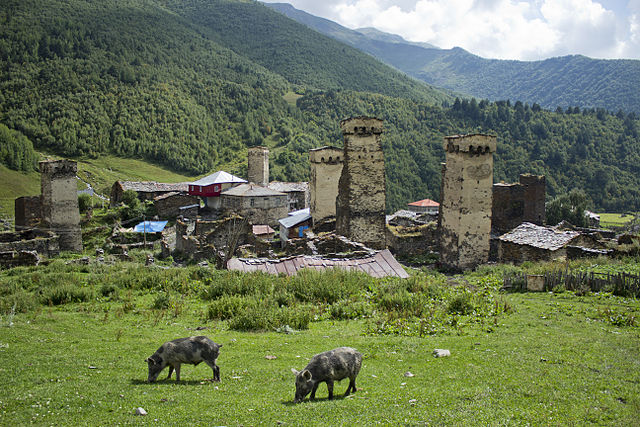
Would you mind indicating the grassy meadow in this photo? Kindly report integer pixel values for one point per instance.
(611, 220)
(73, 339)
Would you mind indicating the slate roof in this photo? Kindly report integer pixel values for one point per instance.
(381, 264)
(220, 177)
(152, 186)
(539, 237)
(287, 187)
(251, 190)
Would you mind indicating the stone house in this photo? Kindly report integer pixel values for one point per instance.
(531, 242)
(147, 190)
(297, 193)
(259, 205)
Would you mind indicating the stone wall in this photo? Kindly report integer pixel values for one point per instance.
(326, 168)
(465, 208)
(45, 243)
(509, 252)
(361, 203)
(28, 212)
(418, 240)
(60, 211)
(168, 206)
(258, 165)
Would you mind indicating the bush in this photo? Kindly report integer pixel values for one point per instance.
(23, 302)
(461, 304)
(347, 310)
(66, 293)
(226, 307)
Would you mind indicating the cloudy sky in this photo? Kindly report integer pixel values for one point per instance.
(505, 29)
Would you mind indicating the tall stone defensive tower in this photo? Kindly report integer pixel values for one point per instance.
(60, 210)
(534, 201)
(360, 207)
(326, 168)
(258, 167)
(466, 199)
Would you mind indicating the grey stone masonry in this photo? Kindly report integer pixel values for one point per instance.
(360, 207)
(258, 165)
(60, 211)
(466, 199)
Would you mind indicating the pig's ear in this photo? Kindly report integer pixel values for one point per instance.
(306, 374)
(295, 372)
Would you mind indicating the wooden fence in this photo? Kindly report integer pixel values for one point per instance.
(621, 284)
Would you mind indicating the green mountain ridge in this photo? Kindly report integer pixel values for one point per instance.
(573, 80)
(191, 84)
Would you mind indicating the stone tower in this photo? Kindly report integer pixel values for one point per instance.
(326, 168)
(360, 207)
(535, 194)
(466, 199)
(258, 167)
(60, 210)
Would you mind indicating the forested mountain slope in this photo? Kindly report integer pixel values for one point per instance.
(191, 84)
(563, 81)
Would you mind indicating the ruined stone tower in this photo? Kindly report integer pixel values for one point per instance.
(258, 167)
(60, 210)
(326, 168)
(465, 207)
(360, 206)
(535, 194)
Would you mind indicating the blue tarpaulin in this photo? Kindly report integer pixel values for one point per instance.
(150, 226)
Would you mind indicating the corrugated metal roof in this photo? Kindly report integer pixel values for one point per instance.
(539, 237)
(293, 220)
(425, 203)
(220, 177)
(251, 190)
(381, 264)
(287, 187)
(305, 210)
(152, 186)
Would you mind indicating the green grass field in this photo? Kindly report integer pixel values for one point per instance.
(610, 220)
(551, 359)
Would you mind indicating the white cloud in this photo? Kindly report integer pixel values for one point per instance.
(506, 29)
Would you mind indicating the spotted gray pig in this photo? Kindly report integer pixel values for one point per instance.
(191, 350)
(330, 366)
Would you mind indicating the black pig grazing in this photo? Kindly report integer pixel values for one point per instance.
(330, 366)
(191, 350)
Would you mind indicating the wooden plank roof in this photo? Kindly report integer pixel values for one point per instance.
(381, 264)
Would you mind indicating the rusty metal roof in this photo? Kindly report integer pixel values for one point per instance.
(381, 264)
(424, 203)
(539, 237)
(259, 230)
